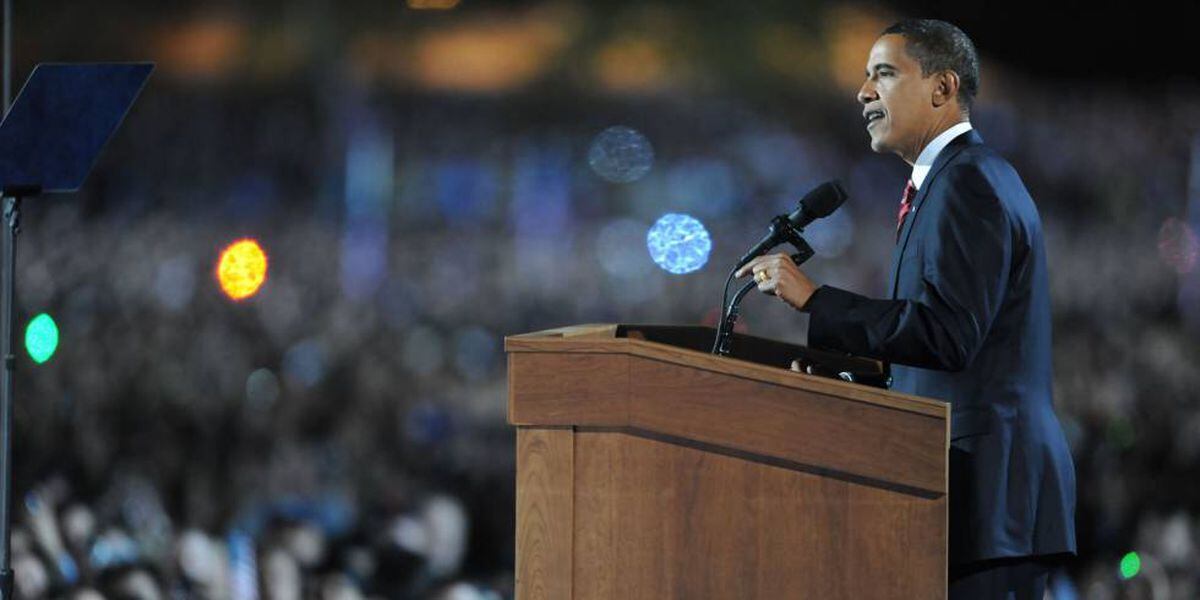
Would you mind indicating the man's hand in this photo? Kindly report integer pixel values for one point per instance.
(777, 275)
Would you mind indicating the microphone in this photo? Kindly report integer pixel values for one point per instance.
(819, 202)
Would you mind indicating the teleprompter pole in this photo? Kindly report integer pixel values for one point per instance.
(12, 206)
(10, 227)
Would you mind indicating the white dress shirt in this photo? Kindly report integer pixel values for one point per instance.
(929, 154)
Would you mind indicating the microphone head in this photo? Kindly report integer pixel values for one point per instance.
(824, 199)
(820, 202)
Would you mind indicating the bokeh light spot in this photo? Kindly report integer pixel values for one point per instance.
(1131, 565)
(1178, 245)
(678, 243)
(621, 155)
(41, 338)
(262, 389)
(432, 4)
(242, 269)
(619, 249)
(633, 64)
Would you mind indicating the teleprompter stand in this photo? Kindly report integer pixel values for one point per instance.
(49, 140)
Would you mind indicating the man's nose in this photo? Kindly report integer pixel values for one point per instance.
(866, 93)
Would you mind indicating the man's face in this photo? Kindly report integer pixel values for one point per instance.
(896, 100)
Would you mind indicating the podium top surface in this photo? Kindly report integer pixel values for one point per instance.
(61, 120)
(629, 339)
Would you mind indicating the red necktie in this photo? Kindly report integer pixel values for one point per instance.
(910, 190)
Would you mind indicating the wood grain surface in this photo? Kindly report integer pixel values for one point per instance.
(545, 513)
(655, 520)
(568, 389)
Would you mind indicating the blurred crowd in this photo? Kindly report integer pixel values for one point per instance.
(125, 545)
(342, 433)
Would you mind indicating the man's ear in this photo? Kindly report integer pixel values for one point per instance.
(945, 87)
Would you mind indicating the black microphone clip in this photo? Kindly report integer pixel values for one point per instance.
(781, 231)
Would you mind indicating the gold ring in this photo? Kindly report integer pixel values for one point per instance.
(761, 276)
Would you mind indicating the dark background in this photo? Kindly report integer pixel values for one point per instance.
(420, 180)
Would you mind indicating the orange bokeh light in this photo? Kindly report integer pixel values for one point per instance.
(432, 4)
(242, 269)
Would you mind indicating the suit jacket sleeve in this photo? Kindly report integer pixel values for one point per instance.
(964, 270)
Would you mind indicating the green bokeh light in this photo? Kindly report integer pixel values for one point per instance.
(1131, 565)
(41, 338)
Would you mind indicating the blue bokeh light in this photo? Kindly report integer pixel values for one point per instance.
(621, 154)
(678, 243)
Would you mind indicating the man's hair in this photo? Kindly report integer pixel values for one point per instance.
(939, 46)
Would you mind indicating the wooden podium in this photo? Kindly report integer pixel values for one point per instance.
(648, 468)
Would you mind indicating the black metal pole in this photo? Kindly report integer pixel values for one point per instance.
(12, 206)
(11, 225)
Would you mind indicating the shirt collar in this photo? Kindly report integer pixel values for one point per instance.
(929, 154)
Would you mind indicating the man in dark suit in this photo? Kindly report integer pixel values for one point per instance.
(968, 318)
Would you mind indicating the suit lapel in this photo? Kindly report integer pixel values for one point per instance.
(956, 145)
